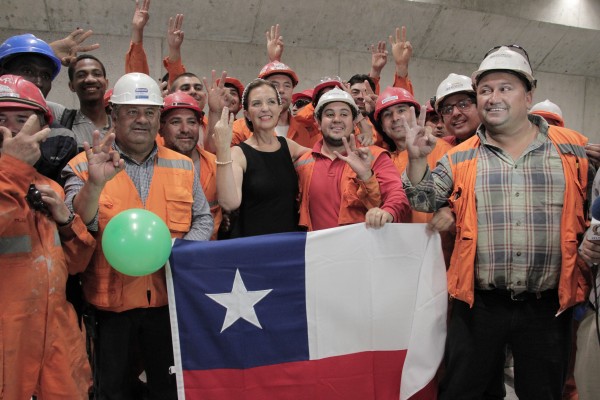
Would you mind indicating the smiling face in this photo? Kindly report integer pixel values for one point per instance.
(263, 108)
(337, 122)
(502, 101)
(463, 120)
(181, 130)
(135, 128)
(88, 81)
(392, 121)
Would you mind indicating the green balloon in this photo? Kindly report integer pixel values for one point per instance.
(136, 242)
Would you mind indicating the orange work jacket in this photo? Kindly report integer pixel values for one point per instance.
(357, 196)
(170, 197)
(572, 286)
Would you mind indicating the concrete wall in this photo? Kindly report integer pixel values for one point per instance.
(448, 36)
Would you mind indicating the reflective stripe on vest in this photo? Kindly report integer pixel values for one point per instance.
(81, 167)
(466, 155)
(15, 244)
(56, 238)
(570, 148)
(301, 162)
(177, 164)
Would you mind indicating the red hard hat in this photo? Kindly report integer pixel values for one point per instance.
(325, 83)
(429, 108)
(277, 67)
(181, 100)
(305, 94)
(16, 92)
(236, 83)
(392, 96)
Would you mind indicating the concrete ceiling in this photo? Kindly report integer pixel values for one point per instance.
(437, 32)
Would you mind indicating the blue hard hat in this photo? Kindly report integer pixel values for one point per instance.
(28, 43)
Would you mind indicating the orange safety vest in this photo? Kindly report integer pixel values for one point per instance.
(357, 196)
(208, 181)
(572, 287)
(170, 197)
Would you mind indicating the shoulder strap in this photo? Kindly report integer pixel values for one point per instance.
(68, 117)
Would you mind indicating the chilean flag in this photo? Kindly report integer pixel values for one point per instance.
(343, 313)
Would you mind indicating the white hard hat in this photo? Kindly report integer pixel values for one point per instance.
(452, 84)
(136, 88)
(547, 106)
(509, 58)
(336, 94)
(549, 111)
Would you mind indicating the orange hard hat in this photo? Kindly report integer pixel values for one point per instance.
(277, 67)
(236, 83)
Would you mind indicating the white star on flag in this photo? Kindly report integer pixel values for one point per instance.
(239, 302)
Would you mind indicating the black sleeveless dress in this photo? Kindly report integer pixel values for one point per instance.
(269, 193)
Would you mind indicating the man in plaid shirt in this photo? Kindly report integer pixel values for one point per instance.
(517, 189)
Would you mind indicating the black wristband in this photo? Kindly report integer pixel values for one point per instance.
(68, 221)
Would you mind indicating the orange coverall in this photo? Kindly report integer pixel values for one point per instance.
(42, 349)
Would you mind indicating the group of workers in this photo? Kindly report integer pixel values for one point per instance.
(505, 183)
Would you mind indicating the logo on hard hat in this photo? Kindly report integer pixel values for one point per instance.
(454, 86)
(141, 93)
(274, 66)
(5, 91)
(388, 99)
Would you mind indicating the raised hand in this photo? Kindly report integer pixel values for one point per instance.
(217, 95)
(379, 56)
(274, 43)
(66, 49)
(103, 161)
(401, 50)
(140, 16)
(419, 139)
(25, 146)
(174, 32)
(223, 129)
(370, 98)
(359, 159)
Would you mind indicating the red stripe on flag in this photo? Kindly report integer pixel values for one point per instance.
(367, 375)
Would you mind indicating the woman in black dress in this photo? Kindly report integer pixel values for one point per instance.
(258, 175)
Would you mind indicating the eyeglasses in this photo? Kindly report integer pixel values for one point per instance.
(514, 47)
(462, 105)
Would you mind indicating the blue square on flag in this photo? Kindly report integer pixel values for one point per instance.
(245, 301)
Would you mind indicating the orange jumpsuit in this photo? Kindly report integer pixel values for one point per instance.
(42, 349)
